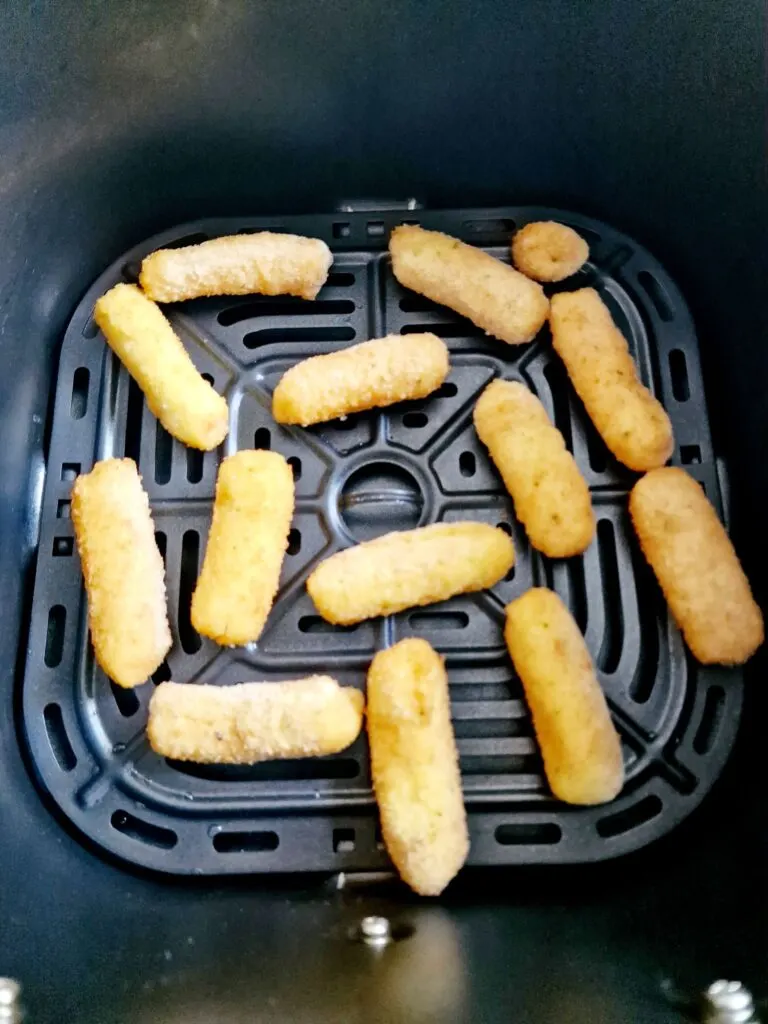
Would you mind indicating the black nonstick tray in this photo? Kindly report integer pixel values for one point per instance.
(409, 465)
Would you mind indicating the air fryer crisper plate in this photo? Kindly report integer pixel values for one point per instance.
(411, 464)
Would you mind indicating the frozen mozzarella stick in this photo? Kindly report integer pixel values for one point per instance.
(415, 765)
(629, 419)
(251, 722)
(491, 294)
(409, 568)
(264, 263)
(249, 535)
(367, 376)
(146, 344)
(550, 495)
(696, 566)
(548, 251)
(579, 744)
(123, 571)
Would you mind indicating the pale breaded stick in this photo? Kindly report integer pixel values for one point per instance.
(123, 571)
(413, 567)
(548, 251)
(366, 376)
(630, 420)
(492, 295)
(264, 263)
(249, 534)
(579, 744)
(144, 341)
(696, 566)
(551, 496)
(414, 764)
(251, 722)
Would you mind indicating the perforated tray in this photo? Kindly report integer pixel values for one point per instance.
(409, 465)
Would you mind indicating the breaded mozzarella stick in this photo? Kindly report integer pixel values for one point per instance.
(415, 766)
(367, 376)
(264, 263)
(251, 722)
(123, 571)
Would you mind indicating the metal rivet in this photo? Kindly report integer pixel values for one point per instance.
(728, 1002)
(10, 1011)
(10, 990)
(375, 931)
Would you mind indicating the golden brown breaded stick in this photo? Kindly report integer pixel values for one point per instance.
(409, 568)
(264, 263)
(630, 420)
(488, 292)
(251, 722)
(366, 376)
(551, 496)
(144, 341)
(579, 744)
(123, 571)
(548, 251)
(249, 534)
(697, 567)
(415, 766)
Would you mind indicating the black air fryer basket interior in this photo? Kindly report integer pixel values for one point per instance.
(128, 126)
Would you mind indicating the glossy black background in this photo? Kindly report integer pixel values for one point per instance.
(119, 119)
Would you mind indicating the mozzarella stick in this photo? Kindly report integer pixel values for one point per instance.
(366, 376)
(410, 568)
(141, 337)
(548, 251)
(629, 419)
(492, 295)
(551, 497)
(251, 722)
(579, 744)
(414, 764)
(249, 534)
(123, 571)
(696, 566)
(263, 263)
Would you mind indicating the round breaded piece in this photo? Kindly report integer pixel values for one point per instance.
(548, 251)
(415, 766)
(251, 722)
(146, 344)
(629, 419)
(580, 747)
(492, 295)
(696, 566)
(367, 376)
(550, 495)
(123, 571)
(265, 263)
(410, 568)
(252, 515)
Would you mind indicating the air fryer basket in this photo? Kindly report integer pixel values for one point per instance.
(119, 121)
(409, 465)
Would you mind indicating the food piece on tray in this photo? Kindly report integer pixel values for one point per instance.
(548, 251)
(414, 764)
(123, 571)
(144, 341)
(579, 744)
(491, 294)
(551, 496)
(696, 566)
(366, 376)
(630, 420)
(249, 535)
(251, 722)
(405, 569)
(263, 263)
